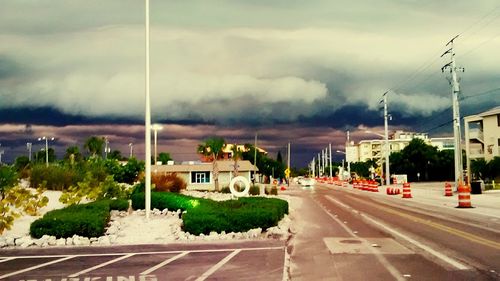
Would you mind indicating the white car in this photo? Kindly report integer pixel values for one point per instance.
(307, 182)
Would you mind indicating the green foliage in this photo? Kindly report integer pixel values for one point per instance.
(18, 200)
(267, 166)
(92, 190)
(40, 156)
(254, 190)
(128, 173)
(8, 178)
(115, 155)
(235, 215)
(94, 146)
(419, 157)
(21, 163)
(87, 220)
(486, 170)
(164, 157)
(225, 189)
(213, 147)
(73, 155)
(204, 216)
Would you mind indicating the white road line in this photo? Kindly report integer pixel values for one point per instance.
(392, 270)
(100, 265)
(286, 265)
(217, 266)
(6, 259)
(35, 267)
(426, 248)
(165, 262)
(153, 253)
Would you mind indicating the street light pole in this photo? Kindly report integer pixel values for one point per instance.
(131, 145)
(46, 148)
(330, 158)
(387, 148)
(28, 146)
(155, 128)
(147, 121)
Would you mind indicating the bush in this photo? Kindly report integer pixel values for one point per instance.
(167, 200)
(225, 189)
(87, 220)
(235, 215)
(168, 182)
(254, 190)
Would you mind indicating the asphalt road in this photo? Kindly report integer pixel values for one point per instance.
(349, 234)
(253, 260)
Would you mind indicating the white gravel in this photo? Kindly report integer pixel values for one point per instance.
(125, 228)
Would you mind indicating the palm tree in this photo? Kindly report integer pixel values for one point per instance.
(213, 147)
(72, 154)
(237, 155)
(94, 145)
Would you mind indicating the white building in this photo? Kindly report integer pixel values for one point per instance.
(482, 136)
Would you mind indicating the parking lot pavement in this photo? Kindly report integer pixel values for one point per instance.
(227, 261)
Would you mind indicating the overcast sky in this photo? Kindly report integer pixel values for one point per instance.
(304, 71)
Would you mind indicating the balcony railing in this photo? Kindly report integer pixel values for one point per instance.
(476, 133)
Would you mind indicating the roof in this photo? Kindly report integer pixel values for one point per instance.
(229, 146)
(480, 116)
(223, 165)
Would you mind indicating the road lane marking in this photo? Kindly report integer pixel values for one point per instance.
(392, 270)
(426, 248)
(35, 267)
(100, 265)
(152, 253)
(451, 230)
(6, 259)
(163, 263)
(217, 266)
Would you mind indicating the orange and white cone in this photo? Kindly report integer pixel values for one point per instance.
(406, 190)
(447, 189)
(464, 196)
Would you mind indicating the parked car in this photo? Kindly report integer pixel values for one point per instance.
(307, 182)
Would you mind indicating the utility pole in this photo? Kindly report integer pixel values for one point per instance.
(106, 147)
(255, 159)
(1, 153)
(313, 167)
(319, 166)
(330, 146)
(387, 148)
(288, 164)
(131, 145)
(28, 147)
(455, 89)
(346, 156)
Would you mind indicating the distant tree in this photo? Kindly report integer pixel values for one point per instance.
(94, 146)
(213, 147)
(116, 155)
(8, 178)
(21, 163)
(494, 167)
(39, 156)
(279, 158)
(73, 154)
(164, 157)
(237, 155)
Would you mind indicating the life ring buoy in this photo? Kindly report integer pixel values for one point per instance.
(242, 193)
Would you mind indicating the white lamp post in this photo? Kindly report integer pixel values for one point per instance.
(387, 152)
(131, 145)
(46, 148)
(156, 128)
(148, 120)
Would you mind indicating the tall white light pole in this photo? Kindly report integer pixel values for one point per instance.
(1, 153)
(28, 147)
(106, 147)
(46, 148)
(387, 148)
(147, 133)
(156, 128)
(347, 159)
(131, 145)
(330, 158)
(288, 164)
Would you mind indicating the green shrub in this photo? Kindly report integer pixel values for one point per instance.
(274, 190)
(167, 200)
(87, 220)
(168, 182)
(235, 215)
(254, 190)
(225, 189)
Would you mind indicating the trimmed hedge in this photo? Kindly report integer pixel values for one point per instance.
(87, 220)
(167, 200)
(204, 216)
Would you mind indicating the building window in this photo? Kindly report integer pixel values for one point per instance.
(498, 120)
(200, 177)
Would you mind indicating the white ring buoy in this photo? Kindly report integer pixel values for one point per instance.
(239, 193)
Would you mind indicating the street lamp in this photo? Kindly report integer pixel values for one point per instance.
(46, 148)
(107, 149)
(156, 128)
(28, 147)
(131, 145)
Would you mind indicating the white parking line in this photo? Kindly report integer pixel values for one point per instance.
(165, 262)
(151, 253)
(100, 265)
(6, 259)
(35, 267)
(426, 248)
(217, 266)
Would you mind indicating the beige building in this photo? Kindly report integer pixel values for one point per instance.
(374, 149)
(482, 136)
(199, 176)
